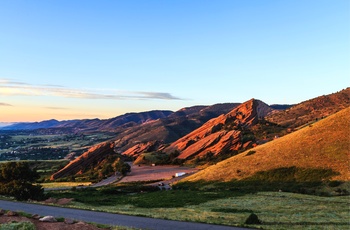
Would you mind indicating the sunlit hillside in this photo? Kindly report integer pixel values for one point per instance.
(325, 144)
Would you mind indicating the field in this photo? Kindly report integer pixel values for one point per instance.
(277, 210)
(23, 145)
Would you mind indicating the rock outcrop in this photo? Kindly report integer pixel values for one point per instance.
(167, 130)
(94, 154)
(137, 149)
(221, 134)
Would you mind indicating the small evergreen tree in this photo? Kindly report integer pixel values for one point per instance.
(16, 179)
(253, 219)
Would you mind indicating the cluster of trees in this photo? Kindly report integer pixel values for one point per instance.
(114, 165)
(17, 178)
(98, 170)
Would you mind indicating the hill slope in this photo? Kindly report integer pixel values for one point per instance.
(323, 145)
(312, 109)
(90, 158)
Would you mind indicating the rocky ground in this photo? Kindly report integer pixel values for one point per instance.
(66, 224)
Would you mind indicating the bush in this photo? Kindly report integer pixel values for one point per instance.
(252, 219)
(16, 180)
(334, 183)
(251, 152)
(22, 190)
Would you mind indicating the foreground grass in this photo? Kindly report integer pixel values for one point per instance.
(64, 184)
(277, 210)
(16, 226)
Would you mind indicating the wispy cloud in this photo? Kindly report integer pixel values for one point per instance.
(56, 108)
(4, 104)
(156, 95)
(10, 87)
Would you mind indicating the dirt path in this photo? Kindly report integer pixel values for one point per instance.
(106, 181)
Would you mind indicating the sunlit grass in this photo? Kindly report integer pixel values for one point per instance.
(277, 210)
(64, 184)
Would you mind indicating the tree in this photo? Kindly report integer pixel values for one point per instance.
(122, 167)
(17, 171)
(16, 180)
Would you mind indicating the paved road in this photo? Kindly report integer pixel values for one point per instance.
(106, 181)
(109, 218)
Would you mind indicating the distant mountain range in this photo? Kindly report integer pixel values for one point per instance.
(128, 119)
(198, 113)
(4, 124)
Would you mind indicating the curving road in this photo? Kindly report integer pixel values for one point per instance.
(109, 218)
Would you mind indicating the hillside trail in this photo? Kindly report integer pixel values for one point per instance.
(107, 181)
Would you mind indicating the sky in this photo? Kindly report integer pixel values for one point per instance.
(82, 59)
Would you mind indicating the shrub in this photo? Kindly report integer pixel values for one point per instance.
(22, 190)
(251, 152)
(252, 219)
(16, 180)
(334, 183)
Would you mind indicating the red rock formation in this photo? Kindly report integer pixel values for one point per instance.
(142, 148)
(220, 134)
(94, 154)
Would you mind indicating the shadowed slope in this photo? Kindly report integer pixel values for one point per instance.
(322, 145)
(94, 154)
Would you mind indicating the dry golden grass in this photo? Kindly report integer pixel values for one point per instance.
(325, 144)
(64, 184)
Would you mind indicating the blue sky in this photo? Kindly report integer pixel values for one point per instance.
(86, 59)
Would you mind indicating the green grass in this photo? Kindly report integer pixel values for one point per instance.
(151, 158)
(18, 226)
(221, 203)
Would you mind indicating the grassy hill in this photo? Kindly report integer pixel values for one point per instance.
(322, 145)
(311, 110)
